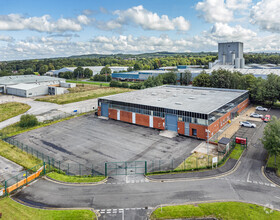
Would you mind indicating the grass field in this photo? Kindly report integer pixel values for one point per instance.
(271, 163)
(18, 156)
(12, 109)
(81, 93)
(89, 82)
(13, 210)
(219, 210)
(75, 179)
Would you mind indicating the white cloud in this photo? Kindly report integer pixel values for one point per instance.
(147, 20)
(6, 38)
(238, 4)
(228, 33)
(266, 15)
(214, 11)
(43, 23)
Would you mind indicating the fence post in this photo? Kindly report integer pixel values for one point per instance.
(105, 169)
(6, 193)
(172, 164)
(59, 166)
(80, 169)
(44, 169)
(125, 168)
(145, 167)
(68, 170)
(196, 162)
(26, 177)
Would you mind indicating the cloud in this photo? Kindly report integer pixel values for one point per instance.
(228, 33)
(43, 23)
(266, 15)
(238, 4)
(214, 11)
(139, 16)
(6, 38)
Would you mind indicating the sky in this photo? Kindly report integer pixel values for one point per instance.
(60, 28)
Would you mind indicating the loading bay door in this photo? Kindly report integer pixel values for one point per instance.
(105, 109)
(171, 122)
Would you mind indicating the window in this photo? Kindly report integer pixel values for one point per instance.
(194, 132)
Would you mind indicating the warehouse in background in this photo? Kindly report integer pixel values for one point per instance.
(32, 85)
(189, 111)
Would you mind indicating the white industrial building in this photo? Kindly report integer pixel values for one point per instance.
(32, 85)
(95, 70)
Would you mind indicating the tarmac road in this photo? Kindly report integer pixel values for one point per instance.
(136, 199)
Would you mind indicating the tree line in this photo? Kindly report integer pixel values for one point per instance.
(264, 91)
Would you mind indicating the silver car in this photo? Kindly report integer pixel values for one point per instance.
(256, 115)
(260, 108)
(247, 124)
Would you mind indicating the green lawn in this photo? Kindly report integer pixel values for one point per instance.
(83, 93)
(13, 210)
(75, 179)
(89, 82)
(237, 151)
(12, 109)
(219, 210)
(271, 163)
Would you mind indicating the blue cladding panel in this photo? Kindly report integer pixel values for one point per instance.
(171, 122)
(105, 109)
(187, 128)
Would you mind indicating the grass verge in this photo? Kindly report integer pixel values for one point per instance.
(77, 96)
(75, 179)
(12, 109)
(199, 162)
(219, 210)
(13, 210)
(18, 156)
(271, 163)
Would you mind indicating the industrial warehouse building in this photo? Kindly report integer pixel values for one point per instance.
(190, 111)
(32, 85)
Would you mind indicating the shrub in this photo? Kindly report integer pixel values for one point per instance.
(28, 121)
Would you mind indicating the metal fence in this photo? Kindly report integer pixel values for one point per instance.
(68, 168)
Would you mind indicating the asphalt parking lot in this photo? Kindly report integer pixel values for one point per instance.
(89, 140)
(245, 132)
(9, 169)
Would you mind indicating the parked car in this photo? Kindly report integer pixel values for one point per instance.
(247, 124)
(266, 118)
(256, 115)
(260, 108)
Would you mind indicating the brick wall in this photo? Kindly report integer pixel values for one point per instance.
(181, 127)
(113, 113)
(159, 123)
(99, 111)
(126, 116)
(200, 130)
(243, 105)
(142, 120)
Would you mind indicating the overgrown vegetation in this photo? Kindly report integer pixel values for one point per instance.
(218, 210)
(75, 179)
(13, 210)
(81, 93)
(89, 83)
(12, 109)
(27, 121)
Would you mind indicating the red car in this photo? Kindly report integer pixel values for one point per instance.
(266, 118)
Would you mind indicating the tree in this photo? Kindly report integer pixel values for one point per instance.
(129, 69)
(202, 80)
(43, 69)
(88, 73)
(271, 138)
(186, 78)
(28, 121)
(79, 72)
(271, 88)
(105, 70)
(170, 78)
(29, 71)
(137, 66)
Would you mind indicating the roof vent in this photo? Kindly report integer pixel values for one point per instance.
(168, 91)
(174, 95)
(203, 94)
(159, 99)
(191, 97)
(178, 103)
(154, 94)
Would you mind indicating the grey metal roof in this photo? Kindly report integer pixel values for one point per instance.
(224, 141)
(12, 80)
(24, 86)
(183, 98)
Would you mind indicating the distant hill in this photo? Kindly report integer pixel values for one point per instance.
(144, 55)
